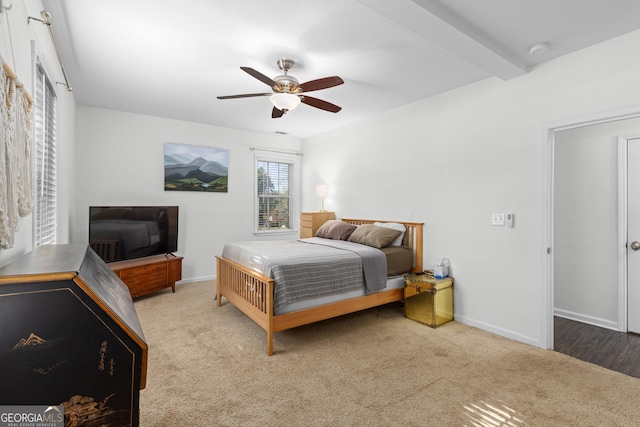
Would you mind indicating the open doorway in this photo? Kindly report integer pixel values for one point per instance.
(583, 272)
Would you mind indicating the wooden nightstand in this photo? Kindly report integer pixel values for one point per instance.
(311, 221)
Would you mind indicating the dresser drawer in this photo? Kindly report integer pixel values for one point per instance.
(149, 274)
(146, 275)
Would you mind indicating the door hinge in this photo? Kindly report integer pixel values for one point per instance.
(549, 251)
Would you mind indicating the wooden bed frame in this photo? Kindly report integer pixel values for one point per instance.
(252, 292)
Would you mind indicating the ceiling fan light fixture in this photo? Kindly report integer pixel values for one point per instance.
(285, 101)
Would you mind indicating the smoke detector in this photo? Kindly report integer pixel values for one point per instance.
(538, 49)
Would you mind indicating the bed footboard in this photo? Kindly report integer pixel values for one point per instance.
(252, 292)
(249, 291)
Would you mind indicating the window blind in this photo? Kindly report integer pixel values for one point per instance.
(276, 190)
(45, 160)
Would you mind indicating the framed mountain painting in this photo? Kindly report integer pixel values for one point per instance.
(195, 168)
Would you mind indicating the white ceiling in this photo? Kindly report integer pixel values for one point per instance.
(171, 59)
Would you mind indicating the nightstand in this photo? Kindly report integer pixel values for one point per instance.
(311, 221)
(428, 300)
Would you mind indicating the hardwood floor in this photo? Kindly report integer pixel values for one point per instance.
(613, 350)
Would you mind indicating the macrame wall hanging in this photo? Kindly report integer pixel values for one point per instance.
(16, 136)
(16, 163)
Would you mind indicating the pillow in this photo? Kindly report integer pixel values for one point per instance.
(373, 235)
(394, 226)
(336, 230)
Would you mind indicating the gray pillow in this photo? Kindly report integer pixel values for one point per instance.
(394, 226)
(373, 235)
(336, 230)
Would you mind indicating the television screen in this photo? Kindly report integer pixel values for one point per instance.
(124, 232)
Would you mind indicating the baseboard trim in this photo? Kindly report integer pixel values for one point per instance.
(195, 279)
(499, 331)
(589, 320)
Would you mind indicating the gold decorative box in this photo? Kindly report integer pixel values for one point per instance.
(428, 300)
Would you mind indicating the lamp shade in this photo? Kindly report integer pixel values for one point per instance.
(285, 101)
(322, 190)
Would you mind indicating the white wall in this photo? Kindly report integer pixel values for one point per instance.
(455, 158)
(16, 37)
(120, 161)
(586, 222)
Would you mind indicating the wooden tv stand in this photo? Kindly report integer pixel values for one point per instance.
(149, 274)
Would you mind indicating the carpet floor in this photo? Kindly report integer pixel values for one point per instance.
(208, 366)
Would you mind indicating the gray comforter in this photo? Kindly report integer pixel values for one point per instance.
(311, 268)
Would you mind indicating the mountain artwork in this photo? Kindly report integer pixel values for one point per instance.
(195, 168)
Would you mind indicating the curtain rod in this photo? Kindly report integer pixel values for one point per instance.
(46, 20)
(297, 153)
(7, 68)
(12, 75)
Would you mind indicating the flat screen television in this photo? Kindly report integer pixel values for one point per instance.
(118, 233)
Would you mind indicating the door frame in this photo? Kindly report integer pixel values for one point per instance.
(623, 230)
(546, 250)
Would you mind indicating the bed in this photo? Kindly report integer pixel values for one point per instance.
(252, 291)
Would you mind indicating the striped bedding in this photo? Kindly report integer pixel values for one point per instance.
(311, 268)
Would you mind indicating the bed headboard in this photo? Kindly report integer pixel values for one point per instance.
(412, 237)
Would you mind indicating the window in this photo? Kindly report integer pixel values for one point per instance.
(45, 160)
(276, 191)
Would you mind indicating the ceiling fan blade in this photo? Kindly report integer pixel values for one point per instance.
(275, 113)
(319, 103)
(246, 95)
(323, 83)
(258, 75)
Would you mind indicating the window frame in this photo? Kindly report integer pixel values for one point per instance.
(294, 193)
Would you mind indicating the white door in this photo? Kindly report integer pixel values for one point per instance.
(633, 235)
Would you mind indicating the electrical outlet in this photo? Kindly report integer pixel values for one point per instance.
(497, 219)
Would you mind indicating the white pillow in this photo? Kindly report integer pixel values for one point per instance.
(394, 226)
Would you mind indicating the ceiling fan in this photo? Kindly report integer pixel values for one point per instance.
(288, 92)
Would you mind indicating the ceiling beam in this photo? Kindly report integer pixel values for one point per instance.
(413, 16)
